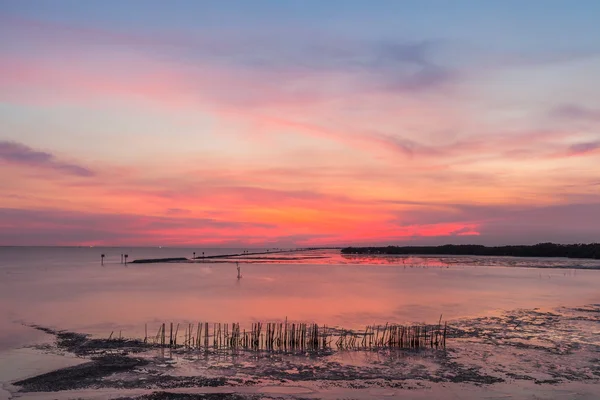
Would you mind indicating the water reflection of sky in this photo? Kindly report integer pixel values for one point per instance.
(347, 291)
(335, 257)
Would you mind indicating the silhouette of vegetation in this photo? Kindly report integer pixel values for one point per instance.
(591, 250)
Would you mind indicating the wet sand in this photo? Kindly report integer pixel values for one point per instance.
(522, 353)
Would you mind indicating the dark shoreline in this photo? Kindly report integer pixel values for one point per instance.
(551, 250)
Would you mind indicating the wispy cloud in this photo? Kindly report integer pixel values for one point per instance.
(508, 223)
(177, 211)
(574, 111)
(20, 154)
(583, 148)
(51, 226)
(260, 69)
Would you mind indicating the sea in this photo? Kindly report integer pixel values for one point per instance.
(70, 288)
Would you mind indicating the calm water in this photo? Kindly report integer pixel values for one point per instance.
(66, 288)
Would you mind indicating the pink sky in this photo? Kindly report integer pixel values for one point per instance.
(171, 136)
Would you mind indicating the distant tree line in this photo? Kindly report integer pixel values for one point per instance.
(591, 250)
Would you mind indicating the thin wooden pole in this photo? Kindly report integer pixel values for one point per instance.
(198, 334)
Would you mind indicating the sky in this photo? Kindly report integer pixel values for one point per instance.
(299, 123)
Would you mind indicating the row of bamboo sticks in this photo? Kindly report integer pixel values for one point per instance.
(395, 336)
(284, 336)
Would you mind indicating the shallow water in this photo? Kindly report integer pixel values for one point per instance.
(66, 288)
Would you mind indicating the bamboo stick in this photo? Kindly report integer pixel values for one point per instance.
(198, 334)
(175, 338)
(286, 336)
(445, 326)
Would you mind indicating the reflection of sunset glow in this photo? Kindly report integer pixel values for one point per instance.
(315, 286)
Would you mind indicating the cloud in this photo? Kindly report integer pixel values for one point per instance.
(60, 227)
(511, 224)
(234, 74)
(290, 58)
(20, 154)
(390, 234)
(291, 66)
(291, 70)
(177, 211)
(418, 222)
(583, 148)
(576, 112)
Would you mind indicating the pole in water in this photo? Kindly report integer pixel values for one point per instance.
(102, 259)
(121, 258)
(239, 270)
